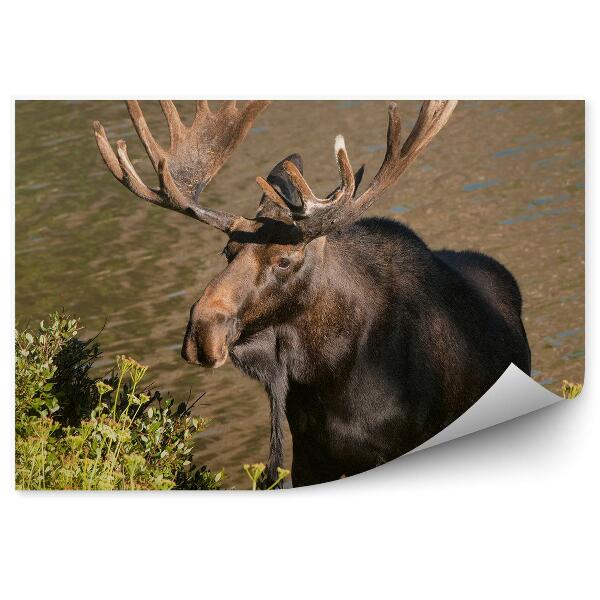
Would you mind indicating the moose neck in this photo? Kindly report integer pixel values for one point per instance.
(318, 341)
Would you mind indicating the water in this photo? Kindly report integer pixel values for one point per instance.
(505, 178)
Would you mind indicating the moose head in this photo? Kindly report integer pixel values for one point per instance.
(272, 257)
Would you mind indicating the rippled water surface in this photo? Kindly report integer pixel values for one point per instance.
(505, 178)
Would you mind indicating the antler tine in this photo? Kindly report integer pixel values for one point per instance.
(271, 193)
(346, 174)
(433, 116)
(176, 127)
(310, 202)
(298, 181)
(106, 151)
(131, 179)
(120, 165)
(152, 147)
(202, 110)
(392, 158)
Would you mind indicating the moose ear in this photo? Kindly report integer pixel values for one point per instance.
(282, 183)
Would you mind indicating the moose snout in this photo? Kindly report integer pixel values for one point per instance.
(207, 339)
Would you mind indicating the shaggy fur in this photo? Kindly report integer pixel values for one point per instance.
(384, 345)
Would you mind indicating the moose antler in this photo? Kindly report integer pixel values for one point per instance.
(319, 216)
(195, 156)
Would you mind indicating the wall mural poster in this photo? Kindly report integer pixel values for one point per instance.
(336, 284)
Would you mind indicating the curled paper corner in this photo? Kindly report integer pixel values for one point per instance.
(513, 395)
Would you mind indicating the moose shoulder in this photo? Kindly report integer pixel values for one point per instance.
(365, 339)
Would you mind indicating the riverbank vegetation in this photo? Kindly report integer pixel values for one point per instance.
(76, 432)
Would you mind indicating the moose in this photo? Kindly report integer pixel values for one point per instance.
(367, 341)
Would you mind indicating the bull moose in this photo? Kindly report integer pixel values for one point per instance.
(367, 341)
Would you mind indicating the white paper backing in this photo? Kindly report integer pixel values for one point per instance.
(513, 395)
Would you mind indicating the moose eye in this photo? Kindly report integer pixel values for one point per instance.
(283, 263)
(228, 253)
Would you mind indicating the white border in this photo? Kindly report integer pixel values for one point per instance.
(511, 512)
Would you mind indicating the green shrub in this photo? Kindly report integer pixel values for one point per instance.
(571, 390)
(76, 433)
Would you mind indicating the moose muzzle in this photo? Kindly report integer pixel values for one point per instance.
(207, 340)
(215, 318)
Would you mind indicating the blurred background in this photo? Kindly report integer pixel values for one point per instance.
(504, 177)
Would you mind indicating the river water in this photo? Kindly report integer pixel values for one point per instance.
(503, 177)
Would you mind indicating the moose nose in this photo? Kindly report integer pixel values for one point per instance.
(206, 340)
